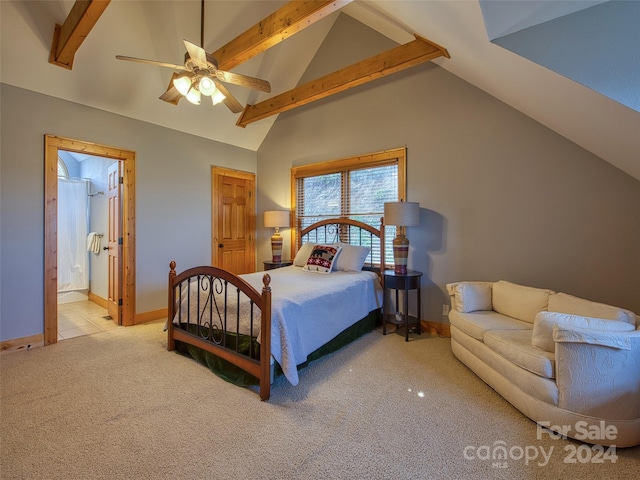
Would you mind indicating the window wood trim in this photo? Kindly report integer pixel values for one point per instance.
(369, 160)
(378, 159)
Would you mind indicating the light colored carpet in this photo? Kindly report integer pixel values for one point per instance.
(118, 405)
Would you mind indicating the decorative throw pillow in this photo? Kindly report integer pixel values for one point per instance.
(351, 258)
(472, 297)
(302, 256)
(322, 258)
(542, 335)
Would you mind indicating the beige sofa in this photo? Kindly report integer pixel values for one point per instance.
(569, 364)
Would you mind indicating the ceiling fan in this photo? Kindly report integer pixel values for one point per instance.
(200, 76)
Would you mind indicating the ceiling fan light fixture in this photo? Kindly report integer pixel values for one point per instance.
(217, 97)
(194, 96)
(200, 76)
(206, 86)
(183, 84)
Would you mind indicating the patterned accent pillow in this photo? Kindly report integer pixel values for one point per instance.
(322, 258)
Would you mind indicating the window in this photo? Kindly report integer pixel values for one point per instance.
(62, 168)
(355, 188)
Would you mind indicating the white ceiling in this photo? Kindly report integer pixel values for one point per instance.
(155, 29)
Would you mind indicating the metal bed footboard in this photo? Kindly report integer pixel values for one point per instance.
(219, 307)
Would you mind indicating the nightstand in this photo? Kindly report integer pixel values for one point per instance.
(397, 282)
(273, 265)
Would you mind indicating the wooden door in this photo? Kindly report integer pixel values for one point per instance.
(233, 222)
(114, 300)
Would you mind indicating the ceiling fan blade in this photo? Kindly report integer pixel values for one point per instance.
(197, 54)
(244, 80)
(172, 95)
(150, 62)
(230, 101)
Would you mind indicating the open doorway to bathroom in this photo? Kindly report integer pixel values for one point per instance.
(84, 276)
(123, 243)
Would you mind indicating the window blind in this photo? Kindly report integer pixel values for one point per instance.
(356, 190)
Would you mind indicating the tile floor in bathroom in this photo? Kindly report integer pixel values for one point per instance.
(82, 318)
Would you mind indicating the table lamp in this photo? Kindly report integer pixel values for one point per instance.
(276, 219)
(401, 214)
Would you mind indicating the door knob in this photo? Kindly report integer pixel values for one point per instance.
(105, 248)
(220, 245)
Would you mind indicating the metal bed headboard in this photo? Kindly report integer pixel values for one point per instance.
(352, 232)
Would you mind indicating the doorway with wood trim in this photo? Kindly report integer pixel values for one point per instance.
(233, 220)
(124, 242)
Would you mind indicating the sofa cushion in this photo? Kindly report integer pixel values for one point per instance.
(476, 324)
(472, 297)
(542, 336)
(519, 301)
(565, 303)
(515, 346)
(484, 360)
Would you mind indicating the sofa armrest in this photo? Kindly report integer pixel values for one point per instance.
(598, 372)
(604, 338)
(451, 290)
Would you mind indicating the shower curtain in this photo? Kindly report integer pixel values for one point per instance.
(73, 261)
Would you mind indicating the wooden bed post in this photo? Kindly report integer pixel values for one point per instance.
(265, 340)
(171, 306)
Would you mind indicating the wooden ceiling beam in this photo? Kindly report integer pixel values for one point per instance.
(273, 29)
(68, 37)
(399, 58)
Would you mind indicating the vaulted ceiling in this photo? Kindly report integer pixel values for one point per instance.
(155, 30)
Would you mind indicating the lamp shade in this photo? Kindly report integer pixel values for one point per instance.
(206, 86)
(217, 97)
(194, 96)
(402, 214)
(183, 83)
(276, 218)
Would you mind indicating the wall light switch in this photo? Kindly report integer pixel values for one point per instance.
(445, 309)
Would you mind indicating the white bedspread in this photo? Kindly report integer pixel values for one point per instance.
(309, 309)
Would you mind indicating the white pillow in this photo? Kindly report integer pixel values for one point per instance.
(542, 335)
(322, 258)
(472, 297)
(351, 258)
(303, 254)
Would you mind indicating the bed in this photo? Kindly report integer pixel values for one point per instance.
(249, 328)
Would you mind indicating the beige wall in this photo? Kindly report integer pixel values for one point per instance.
(501, 196)
(173, 198)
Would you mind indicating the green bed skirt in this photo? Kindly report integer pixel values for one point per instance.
(237, 376)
